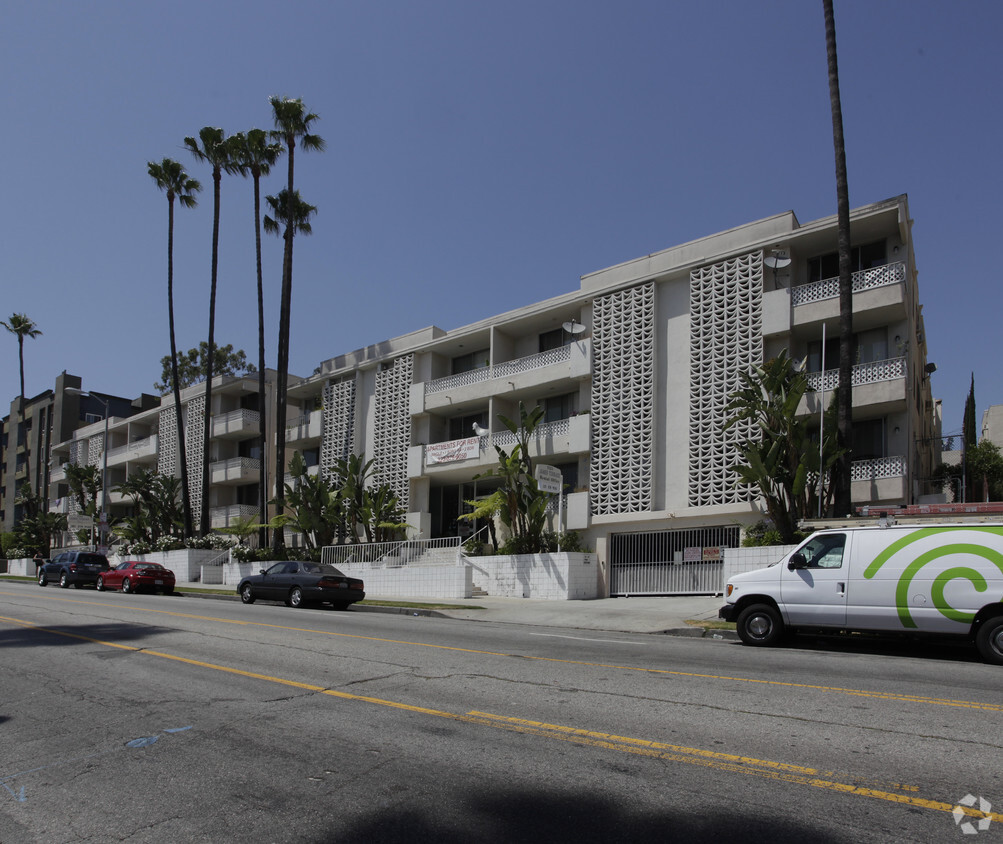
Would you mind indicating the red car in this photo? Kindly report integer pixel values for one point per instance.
(131, 576)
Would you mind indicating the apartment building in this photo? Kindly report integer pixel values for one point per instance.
(633, 371)
(50, 418)
(148, 440)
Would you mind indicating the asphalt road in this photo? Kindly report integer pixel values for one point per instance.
(169, 719)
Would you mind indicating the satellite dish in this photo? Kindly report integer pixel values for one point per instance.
(775, 262)
(573, 327)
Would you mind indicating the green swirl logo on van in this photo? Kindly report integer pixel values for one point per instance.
(946, 549)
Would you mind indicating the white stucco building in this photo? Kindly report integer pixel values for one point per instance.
(633, 370)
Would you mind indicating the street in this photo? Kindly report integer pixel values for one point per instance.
(151, 718)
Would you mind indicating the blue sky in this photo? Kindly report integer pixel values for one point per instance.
(480, 157)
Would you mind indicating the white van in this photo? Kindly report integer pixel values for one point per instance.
(942, 579)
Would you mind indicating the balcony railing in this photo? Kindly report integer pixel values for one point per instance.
(863, 373)
(828, 288)
(235, 422)
(547, 430)
(146, 447)
(224, 516)
(881, 467)
(236, 468)
(500, 370)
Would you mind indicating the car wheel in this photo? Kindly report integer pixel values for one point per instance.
(99, 584)
(42, 580)
(295, 598)
(126, 586)
(64, 580)
(247, 594)
(169, 590)
(760, 624)
(341, 606)
(989, 640)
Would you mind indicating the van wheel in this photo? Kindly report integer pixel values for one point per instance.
(989, 640)
(760, 624)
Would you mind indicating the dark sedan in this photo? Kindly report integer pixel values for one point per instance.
(133, 576)
(299, 583)
(72, 568)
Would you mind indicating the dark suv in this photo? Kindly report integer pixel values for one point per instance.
(73, 567)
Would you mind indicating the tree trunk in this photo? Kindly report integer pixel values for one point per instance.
(262, 404)
(278, 536)
(204, 519)
(186, 503)
(844, 424)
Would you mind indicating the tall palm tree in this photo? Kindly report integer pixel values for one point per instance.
(255, 154)
(844, 420)
(217, 150)
(292, 126)
(171, 177)
(21, 326)
(292, 216)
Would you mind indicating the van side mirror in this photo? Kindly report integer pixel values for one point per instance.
(797, 561)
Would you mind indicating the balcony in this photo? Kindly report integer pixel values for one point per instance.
(222, 517)
(879, 385)
(236, 470)
(572, 362)
(236, 425)
(305, 429)
(58, 474)
(138, 451)
(882, 480)
(312, 471)
(563, 437)
(879, 291)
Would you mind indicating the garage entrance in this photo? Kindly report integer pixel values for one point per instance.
(670, 562)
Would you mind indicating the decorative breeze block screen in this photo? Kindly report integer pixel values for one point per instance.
(338, 433)
(726, 338)
(392, 435)
(623, 378)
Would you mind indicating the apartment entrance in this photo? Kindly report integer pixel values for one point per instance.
(448, 503)
(670, 562)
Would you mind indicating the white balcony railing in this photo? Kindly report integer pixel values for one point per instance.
(547, 430)
(136, 450)
(881, 467)
(305, 427)
(235, 469)
(235, 422)
(225, 516)
(863, 373)
(500, 370)
(828, 288)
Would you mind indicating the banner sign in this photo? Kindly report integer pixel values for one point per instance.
(453, 450)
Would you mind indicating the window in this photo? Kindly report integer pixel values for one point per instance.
(554, 339)
(461, 427)
(825, 551)
(556, 408)
(861, 258)
(869, 439)
(868, 346)
(469, 362)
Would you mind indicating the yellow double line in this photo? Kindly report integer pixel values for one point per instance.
(729, 762)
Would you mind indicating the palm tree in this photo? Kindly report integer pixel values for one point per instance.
(255, 154)
(214, 148)
(21, 326)
(292, 123)
(171, 177)
(844, 422)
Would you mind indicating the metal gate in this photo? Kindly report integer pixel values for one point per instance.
(670, 562)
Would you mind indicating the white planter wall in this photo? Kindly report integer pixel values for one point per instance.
(552, 577)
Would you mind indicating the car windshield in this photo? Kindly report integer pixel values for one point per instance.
(150, 566)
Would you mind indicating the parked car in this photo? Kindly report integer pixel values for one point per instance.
(132, 576)
(299, 583)
(72, 568)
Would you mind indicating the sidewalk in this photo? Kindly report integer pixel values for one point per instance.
(667, 615)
